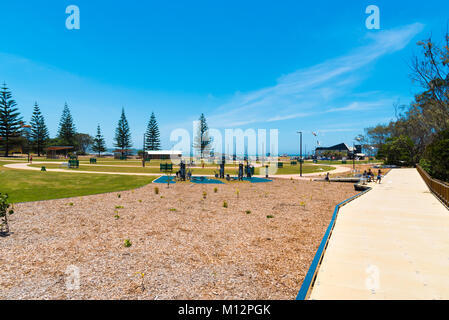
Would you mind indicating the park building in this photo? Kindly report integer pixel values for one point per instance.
(341, 150)
(163, 154)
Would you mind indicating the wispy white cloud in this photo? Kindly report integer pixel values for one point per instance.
(315, 89)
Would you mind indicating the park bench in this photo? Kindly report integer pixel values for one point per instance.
(74, 164)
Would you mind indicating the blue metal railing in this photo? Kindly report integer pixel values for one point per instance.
(311, 274)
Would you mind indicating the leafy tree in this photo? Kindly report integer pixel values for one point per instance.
(202, 141)
(99, 144)
(39, 132)
(83, 141)
(10, 120)
(437, 156)
(398, 151)
(123, 134)
(152, 135)
(67, 130)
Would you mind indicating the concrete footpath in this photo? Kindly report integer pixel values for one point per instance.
(391, 243)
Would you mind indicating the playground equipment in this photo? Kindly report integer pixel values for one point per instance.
(181, 174)
(249, 170)
(240, 175)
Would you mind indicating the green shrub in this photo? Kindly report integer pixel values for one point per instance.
(156, 190)
(437, 156)
(127, 243)
(225, 204)
(5, 212)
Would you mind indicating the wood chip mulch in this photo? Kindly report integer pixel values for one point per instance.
(184, 243)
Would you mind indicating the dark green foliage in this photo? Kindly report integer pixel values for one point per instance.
(4, 213)
(202, 141)
(152, 135)
(123, 134)
(39, 132)
(10, 120)
(99, 144)
(82, 142)
(398, 151)
(67, 130)
(436, 156)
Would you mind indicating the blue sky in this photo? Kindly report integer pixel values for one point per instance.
(294, 65)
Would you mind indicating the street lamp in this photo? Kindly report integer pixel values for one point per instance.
(353, 153)
(300, 153)
(143, 151)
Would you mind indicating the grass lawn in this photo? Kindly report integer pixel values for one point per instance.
(288, 169)
(306, 168)
(24, 186)
(98, 168)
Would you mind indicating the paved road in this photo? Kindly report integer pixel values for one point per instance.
(392, 243)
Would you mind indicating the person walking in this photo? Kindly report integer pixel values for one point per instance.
(379, 176)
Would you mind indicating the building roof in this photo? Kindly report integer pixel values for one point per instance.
(341, 146)
(58, 148)
(164, 152)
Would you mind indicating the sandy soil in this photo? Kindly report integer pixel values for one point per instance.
(200, 251)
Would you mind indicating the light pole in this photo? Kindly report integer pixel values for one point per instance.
(300, 153)
(143, 152)
(353, 152)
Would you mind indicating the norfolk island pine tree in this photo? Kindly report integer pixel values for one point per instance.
(202, 141)
(99, 145)
(10, 120)
(67, 130)
(152, 135)
(122, 134)
(39, 132)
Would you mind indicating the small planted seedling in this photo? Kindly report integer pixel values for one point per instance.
(303, 204)
(119, 196)
(156, 190)
(116, 217)
(127, 243)
(172, 210)
(248, 211)
(119, 207)
(237, 192)
(71, 204)
(140, 201)
(270, 217)
(204, 195)
(215, 189)
(142, 278)
(225, 204)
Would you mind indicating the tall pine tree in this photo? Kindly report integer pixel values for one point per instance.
(123, 134)
(202, 141)
(39, 132)
(67, 130)
(99, 145)
(10, 120)
(152, 135)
